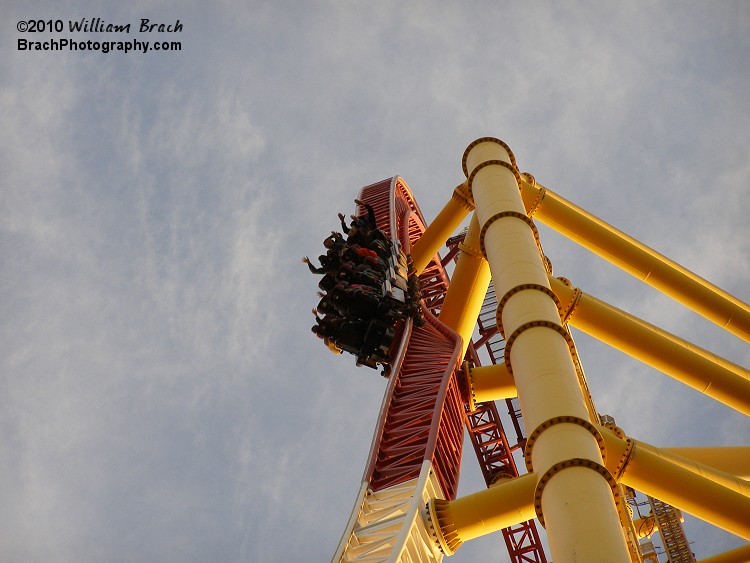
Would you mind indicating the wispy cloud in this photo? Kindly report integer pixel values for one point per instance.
(162, 396)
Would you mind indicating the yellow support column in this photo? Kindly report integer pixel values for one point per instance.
(734, 460)
(575, 493)
(468, 287)
(718, 498)
(441, 228)
(700, 369)
(504, 504)
(489, 383)
(636, 258)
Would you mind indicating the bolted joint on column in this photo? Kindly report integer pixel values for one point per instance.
(556, 327)
(462, 195)
(481, 153)
(440, 527)
(531, 194)
(566, 464)
(507, 502)
(513, 291)
(569, 307)
(495, 217)
(537, 432)
(471, 395)
(486, 164)
(488, 383)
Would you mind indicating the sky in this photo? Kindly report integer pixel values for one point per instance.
(161, 395)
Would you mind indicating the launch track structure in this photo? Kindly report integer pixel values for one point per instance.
(579, 466)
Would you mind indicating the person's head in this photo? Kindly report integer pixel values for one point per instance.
(324, 306)
(327, 282)
(346, 254)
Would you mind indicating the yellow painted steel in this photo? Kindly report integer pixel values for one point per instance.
(468, 287)
(700, 369)
(507, 503)
(575, 496)
(645, 527)
(491, 383)
(734, 460)
(441, 228)
(718, 498)
(636, 258)
(739, 555)
(573, 465)
(709, 472)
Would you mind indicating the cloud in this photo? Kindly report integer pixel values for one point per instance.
(163, 398)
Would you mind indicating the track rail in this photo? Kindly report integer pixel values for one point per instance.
(423, 415)
(416, 449)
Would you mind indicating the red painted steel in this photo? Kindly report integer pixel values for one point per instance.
(423, 416)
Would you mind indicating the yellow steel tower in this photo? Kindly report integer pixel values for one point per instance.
(580, 465)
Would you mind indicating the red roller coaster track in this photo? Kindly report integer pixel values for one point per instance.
(425, 406)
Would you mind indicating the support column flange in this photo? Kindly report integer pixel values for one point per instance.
(531, 440)
(565, 464)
